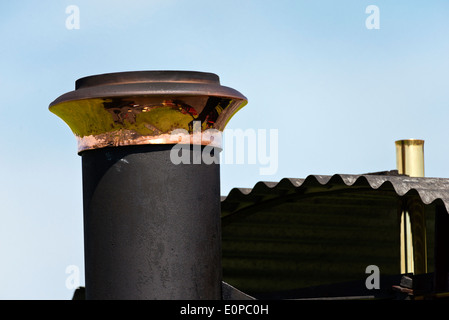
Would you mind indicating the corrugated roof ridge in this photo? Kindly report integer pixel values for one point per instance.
(429, 189)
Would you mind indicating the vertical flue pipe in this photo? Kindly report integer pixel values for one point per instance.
(151, 181)
(410, 161)
(410, 157)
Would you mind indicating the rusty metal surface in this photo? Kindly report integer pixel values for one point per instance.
(148, 107)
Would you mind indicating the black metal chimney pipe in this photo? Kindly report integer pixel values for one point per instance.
(151, 222)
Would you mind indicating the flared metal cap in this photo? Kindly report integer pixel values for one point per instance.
(147, 107)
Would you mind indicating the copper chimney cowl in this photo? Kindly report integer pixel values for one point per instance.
(145, 107)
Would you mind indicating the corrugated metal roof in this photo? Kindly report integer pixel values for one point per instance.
(429, 189)
(299, 233)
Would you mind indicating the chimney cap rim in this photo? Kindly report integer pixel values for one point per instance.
(149, 83)
(165, 76)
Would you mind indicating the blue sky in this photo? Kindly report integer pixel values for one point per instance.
(337, 93)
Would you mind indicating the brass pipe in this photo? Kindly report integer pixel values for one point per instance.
(410, 161)
(410, 157)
